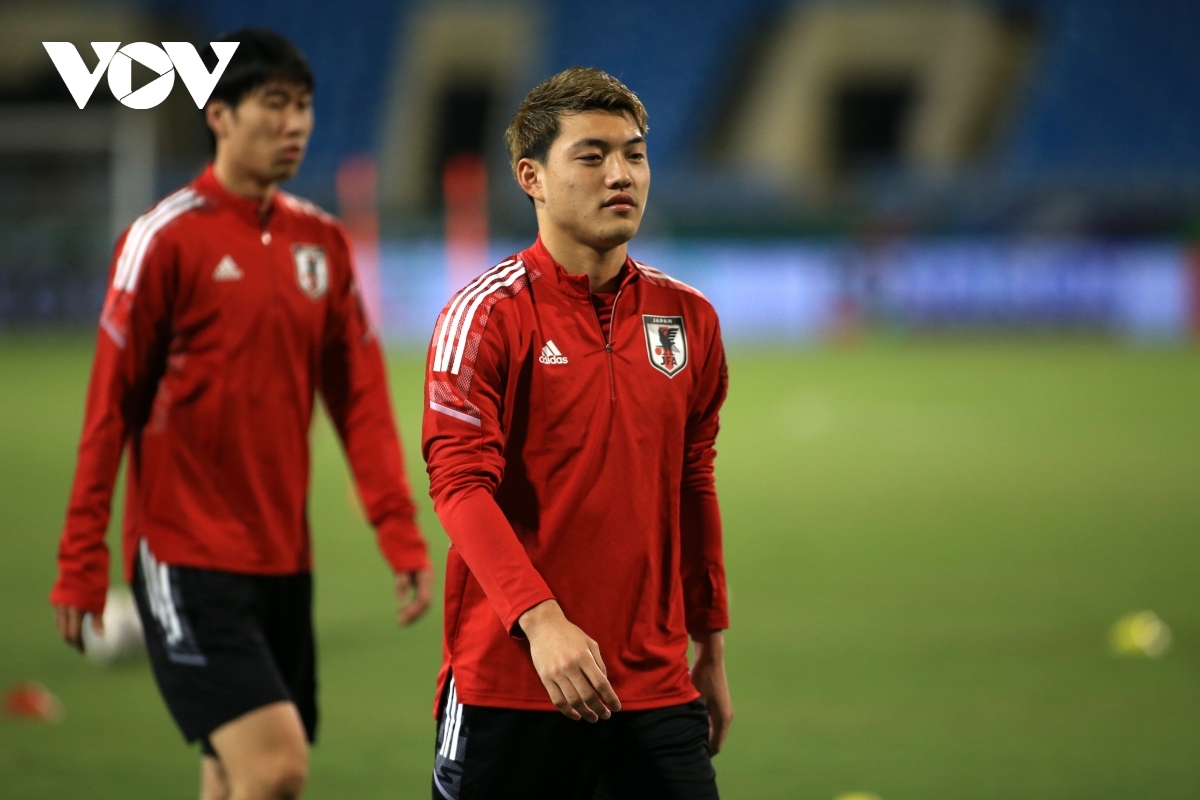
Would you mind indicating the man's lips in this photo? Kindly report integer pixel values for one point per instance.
(292, 153)
(620, 202)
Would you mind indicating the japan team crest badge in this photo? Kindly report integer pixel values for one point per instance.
(312, 270)
(666, 343)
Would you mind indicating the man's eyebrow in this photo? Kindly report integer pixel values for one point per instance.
(603, 143)
(285, 90)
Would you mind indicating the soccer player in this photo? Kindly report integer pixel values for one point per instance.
(571, 410)
(231, 303)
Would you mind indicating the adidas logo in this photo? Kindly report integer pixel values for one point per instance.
(227, 270)
(551, 355)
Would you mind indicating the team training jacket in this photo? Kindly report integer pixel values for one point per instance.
(216, 330)
(566, 466)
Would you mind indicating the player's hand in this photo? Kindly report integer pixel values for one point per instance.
(415, 591)
(568, 662)
(708, 676)
(70, 625)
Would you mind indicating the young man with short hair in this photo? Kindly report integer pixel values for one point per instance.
(231, 304)
(571, 410)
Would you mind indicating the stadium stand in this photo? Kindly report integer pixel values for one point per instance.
(1088, 128)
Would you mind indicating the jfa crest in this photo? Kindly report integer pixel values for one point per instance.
(666, 343)
(312, 270)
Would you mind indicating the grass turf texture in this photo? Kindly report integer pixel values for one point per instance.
(926, 544)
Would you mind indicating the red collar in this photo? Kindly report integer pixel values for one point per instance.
(245, 207)
(538, 257)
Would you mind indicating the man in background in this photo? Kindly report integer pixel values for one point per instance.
(231, 304)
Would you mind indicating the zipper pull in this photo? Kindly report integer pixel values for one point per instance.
(608, 347)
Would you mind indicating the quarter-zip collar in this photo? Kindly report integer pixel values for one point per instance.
(578, 286)
(247, 208)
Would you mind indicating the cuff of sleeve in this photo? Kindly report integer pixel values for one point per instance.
(401, 543)
(88, 600)
(715, 620)
(709, 606)
(520, 607)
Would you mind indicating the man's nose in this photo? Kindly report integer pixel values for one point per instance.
(297, 121)
(619, 176)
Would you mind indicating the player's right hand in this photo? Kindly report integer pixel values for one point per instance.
(70, 625)
(568, 662)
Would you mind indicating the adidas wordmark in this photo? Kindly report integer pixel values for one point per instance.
(551, 355)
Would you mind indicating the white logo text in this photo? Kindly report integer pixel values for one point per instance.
(172, 57)
(551, 355)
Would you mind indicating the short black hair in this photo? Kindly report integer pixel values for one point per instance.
(262, 56)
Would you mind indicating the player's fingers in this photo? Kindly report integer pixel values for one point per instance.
(97, 624)
(716, 739)
(595, 648)
(570, 692)
(424, 578)
(588, 702)
(421, 585)
(403, 584)
(68, 620)
(412, 610)
(594, 698)
(559, 699)
(600, 681)
(718, 729)
(403, 592)
(75, 628)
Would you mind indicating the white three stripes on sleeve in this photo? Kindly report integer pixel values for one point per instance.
(452, 335)
(142, 232)
(456, 306)
(461, 345)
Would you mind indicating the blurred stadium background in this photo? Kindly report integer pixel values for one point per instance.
(952, 247)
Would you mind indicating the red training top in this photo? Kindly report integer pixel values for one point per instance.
(568, 464)
(219, 325)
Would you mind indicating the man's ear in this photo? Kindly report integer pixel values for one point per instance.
(529, 178)
(219, 116)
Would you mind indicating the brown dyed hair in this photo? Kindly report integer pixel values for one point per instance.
(535, 126)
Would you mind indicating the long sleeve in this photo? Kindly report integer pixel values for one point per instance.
(354, 387)
(702, 563)
(131, 349)
(463, 444)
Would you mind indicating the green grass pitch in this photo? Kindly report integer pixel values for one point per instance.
(926, 545)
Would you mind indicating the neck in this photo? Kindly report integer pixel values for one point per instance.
(602, 266)
(242, 183)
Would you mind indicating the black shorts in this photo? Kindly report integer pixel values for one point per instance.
(222, 644)
(500, 753)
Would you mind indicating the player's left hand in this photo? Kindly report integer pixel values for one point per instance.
(415, 591)
(70, 622)
(708, 676)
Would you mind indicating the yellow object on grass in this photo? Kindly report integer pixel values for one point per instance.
(1141, 633)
